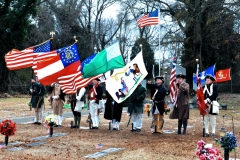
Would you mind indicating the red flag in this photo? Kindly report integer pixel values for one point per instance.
(200, 96)
(223, 75)
(173, 83)
(16, 59)
(149, 19)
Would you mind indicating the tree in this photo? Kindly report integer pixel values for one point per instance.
(15, 18)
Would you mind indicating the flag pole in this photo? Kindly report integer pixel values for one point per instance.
(159, 40)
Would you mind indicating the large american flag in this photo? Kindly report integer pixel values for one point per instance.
(148, 19)
(200, 96)
(16, 59)
(71, 83)
(173, 82)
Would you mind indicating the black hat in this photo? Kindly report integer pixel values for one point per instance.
(180, 75)
(160, 77)
(97, 79)
(209, 76)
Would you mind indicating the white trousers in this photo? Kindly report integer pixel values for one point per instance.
(136, 120)
(59, 120)
(94, 114)
(38, 115)
(210, 119)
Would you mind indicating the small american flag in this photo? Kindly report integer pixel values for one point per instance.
(98, 146)
(173, 82)
(16, 59)
(2, 145)
(148, 20)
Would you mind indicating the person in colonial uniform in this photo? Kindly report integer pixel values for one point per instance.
(74, 98)
(158, 93)
(210, 92)
(113, 111)
(135, 107)
(37, 91)
(58, 99)
(181, 110)
(95, 95)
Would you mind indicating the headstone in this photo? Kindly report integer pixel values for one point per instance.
(46, 137)
(15, 143)
(168, 131)
(15, 149)
(103, 153)
(35, 144)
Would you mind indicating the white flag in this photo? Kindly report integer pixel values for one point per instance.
(123, 81)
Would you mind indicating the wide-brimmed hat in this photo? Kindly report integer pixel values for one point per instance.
(180, 75)
(209, 76)
(159, 77)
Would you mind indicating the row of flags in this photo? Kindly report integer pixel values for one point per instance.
(222, 75)
(64, 65)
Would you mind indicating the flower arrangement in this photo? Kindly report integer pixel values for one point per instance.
(50, 120)
(8, 128)
(207, 153)
(228, 142)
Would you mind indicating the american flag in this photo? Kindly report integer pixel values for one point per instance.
(16, 59)
(71, 83)
(148, 19)
(98, 146)
(200, 96)
(173, 82)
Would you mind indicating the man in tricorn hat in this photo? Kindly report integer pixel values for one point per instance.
(95, 94)
(210, 94)
(181, 110)
(158, 93)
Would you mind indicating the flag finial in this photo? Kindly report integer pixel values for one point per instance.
(140, 46)
(74, 37)
(52, 33)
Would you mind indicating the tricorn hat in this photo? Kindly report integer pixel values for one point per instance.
(97, 79)
(159, 77)
(209, 76)
(180, 75)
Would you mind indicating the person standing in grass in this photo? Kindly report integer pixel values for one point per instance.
(37, 91)
(135, 107)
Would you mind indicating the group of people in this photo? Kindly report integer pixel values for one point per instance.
(113, 110)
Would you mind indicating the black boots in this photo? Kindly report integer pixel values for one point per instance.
(77, 120)
(185, 127)
(180, 122)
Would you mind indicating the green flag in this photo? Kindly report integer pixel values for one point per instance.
(108, 59)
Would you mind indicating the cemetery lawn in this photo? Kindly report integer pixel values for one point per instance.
(78, 143)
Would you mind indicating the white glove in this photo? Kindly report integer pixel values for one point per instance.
(31, 90)
(55, 97)
(78, 98)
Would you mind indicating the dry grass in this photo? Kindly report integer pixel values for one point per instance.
(79, 143)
